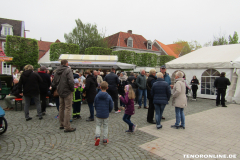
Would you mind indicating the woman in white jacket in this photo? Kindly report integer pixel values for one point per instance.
(179, 100)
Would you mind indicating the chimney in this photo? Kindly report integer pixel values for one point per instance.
(129, 31)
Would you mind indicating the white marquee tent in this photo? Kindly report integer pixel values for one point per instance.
(207, 63)
(90, 62)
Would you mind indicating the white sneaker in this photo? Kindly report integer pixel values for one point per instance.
(50, 104)
(119, 111)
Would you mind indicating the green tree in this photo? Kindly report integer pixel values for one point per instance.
(56, 49)
(182, 47)
(23, 50)
(194, 45)
(98, 51)
(220, 41)
(234, 39)
(85, 36)
(207, 44)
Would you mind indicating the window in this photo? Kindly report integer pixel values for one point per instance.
(3, 46)
(173, 80)
(207, 81)
(130, 42)
(6, 68)
(6, 29)
(149, 44)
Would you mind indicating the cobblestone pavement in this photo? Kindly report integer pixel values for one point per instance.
(41, 139)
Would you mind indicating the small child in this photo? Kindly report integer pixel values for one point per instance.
(128, 100)
(77, 98)
(103, 104)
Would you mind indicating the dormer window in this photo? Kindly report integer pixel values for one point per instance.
(6, 29)
(130, 42)
(149, 44)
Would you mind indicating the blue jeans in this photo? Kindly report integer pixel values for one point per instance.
(126, 118)
(159, 108)
(91, 109)
(142, 92)
(179, 116)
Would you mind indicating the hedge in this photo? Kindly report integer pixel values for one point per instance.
(130, 57)
(23, 50)
(98, 51)
(126, 56)
(56, 49)
(164, 59)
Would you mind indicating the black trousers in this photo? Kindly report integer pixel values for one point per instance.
(151, 109)
(221, 92)
(43, 103)
(114, 95)
(194, 91)
(76, 108)
(136, 95)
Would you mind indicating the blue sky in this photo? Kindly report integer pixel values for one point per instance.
(166, 21)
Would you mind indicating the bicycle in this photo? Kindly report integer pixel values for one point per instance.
(3, 121)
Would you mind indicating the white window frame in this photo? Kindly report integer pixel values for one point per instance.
(3, 46)
(129, 41)
(149, 42)
(8, 28)
(6, 70)
(209, 85)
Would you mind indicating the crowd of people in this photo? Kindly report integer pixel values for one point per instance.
(102, 92)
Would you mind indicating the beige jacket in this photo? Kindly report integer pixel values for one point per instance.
(99, 80)
(179, 96)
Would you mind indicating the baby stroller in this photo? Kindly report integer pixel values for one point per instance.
(3, 121)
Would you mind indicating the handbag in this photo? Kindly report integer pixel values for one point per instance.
(55, 93)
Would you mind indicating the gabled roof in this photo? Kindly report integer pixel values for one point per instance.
(176, 48)
(43, 47)
(17, 26)
(120, 39)
(222, 56)
(167, 49)
(1, 52)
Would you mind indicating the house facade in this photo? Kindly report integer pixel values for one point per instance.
(44, 51)
(138, 44)
(9, 27)
(131, 42)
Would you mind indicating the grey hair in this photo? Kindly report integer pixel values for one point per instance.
(159, 75)
(152, 71)
(179, 74)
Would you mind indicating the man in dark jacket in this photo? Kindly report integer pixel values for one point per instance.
(161, 94)
(91, 92)
(13, 94)
(63, 80)
(44, 87)
(30, 82)
(113, 81)
(221, 84)
(142, 89)
(151, 79)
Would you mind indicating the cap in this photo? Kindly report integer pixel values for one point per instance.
(42, 68)
(163, 66)
(123, 73)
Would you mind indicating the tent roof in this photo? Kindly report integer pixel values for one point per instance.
(92, 65)
(224, 56)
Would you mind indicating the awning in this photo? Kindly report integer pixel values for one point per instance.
(91, 65)
(3, 59)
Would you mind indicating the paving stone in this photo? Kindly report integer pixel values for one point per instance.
(44, 140)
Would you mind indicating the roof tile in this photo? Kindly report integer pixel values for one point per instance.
(120, 39)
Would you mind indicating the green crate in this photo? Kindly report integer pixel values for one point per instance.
(5, 90)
